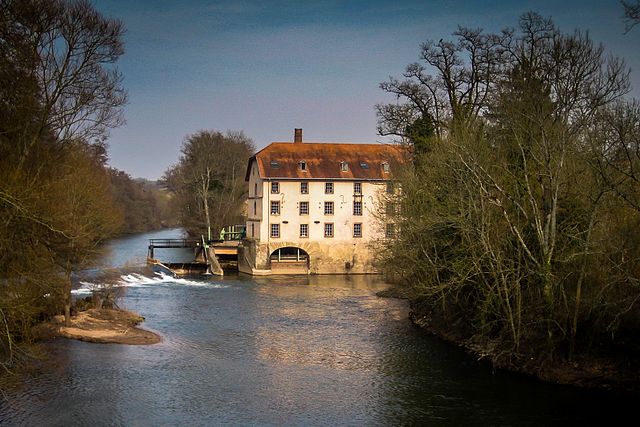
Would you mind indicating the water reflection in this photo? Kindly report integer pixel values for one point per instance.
(338, 282)
(284, 351)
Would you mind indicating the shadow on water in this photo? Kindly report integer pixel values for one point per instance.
(306, 350)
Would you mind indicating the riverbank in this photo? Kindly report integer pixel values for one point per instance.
(110, 326)
(312, 350)
(616, 372)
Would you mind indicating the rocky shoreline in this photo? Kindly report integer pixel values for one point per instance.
(108, 326)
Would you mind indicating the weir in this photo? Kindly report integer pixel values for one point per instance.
(210, 256)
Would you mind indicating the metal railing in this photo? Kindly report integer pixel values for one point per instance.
(225, 236)
(174, 243)
(233, 235)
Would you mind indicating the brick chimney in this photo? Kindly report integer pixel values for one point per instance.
(297, 136)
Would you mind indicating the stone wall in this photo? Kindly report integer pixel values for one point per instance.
(324, 258)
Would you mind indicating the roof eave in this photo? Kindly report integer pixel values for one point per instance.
(247, 175)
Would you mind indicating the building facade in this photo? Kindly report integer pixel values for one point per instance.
(313, 207)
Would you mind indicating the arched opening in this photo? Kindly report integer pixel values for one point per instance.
(289, 260)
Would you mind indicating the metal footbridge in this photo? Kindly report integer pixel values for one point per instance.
(210, 256)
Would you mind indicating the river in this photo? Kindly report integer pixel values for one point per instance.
(280, 351)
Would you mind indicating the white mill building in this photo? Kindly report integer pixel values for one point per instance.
(312, 207)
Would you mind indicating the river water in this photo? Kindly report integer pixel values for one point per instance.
(282, 351)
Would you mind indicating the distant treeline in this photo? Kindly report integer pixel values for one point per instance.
(145, 205)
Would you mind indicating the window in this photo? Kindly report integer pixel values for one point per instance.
(357, 188)
(253, 231)
(304, 208)
(275, 187)
(357, 208)
(328, 188)
(302, 165)
(344, 166)
(275, 230)
(304, 230)
(255, 210)
(357, 229)
(255, 189)
(328, 229)
(304, 188)
(275, 208)
(390, 230)
(390, 208)
(389, 187)
(328, 208)
(385, 167)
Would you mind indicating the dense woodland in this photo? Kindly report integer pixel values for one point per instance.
(519, 222)
(59, 95)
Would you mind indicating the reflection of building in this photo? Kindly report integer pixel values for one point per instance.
(312, 206)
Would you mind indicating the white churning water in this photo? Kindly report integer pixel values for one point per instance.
(136, 280)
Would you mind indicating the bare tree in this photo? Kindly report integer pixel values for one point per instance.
(631, 14)
(59, 94)
(450, 87)
(72, 49)
(616, 144)
(209, 179)
(84, 210)
(501, 225)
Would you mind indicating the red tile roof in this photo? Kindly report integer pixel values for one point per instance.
(323, 160)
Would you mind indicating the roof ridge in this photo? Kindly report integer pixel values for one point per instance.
(309, 143)
(326, 143)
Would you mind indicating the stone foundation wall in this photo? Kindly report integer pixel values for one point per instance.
(324, 258)
(253, 258)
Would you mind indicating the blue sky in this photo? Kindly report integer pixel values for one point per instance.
(266, 67)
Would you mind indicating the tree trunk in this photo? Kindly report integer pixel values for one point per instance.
(67, 299)
(205, 199)
(583, 272)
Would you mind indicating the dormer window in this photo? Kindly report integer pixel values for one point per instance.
(274, 164)
(364, 165)
(302, 165)
(385, 167)
(344, 166)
